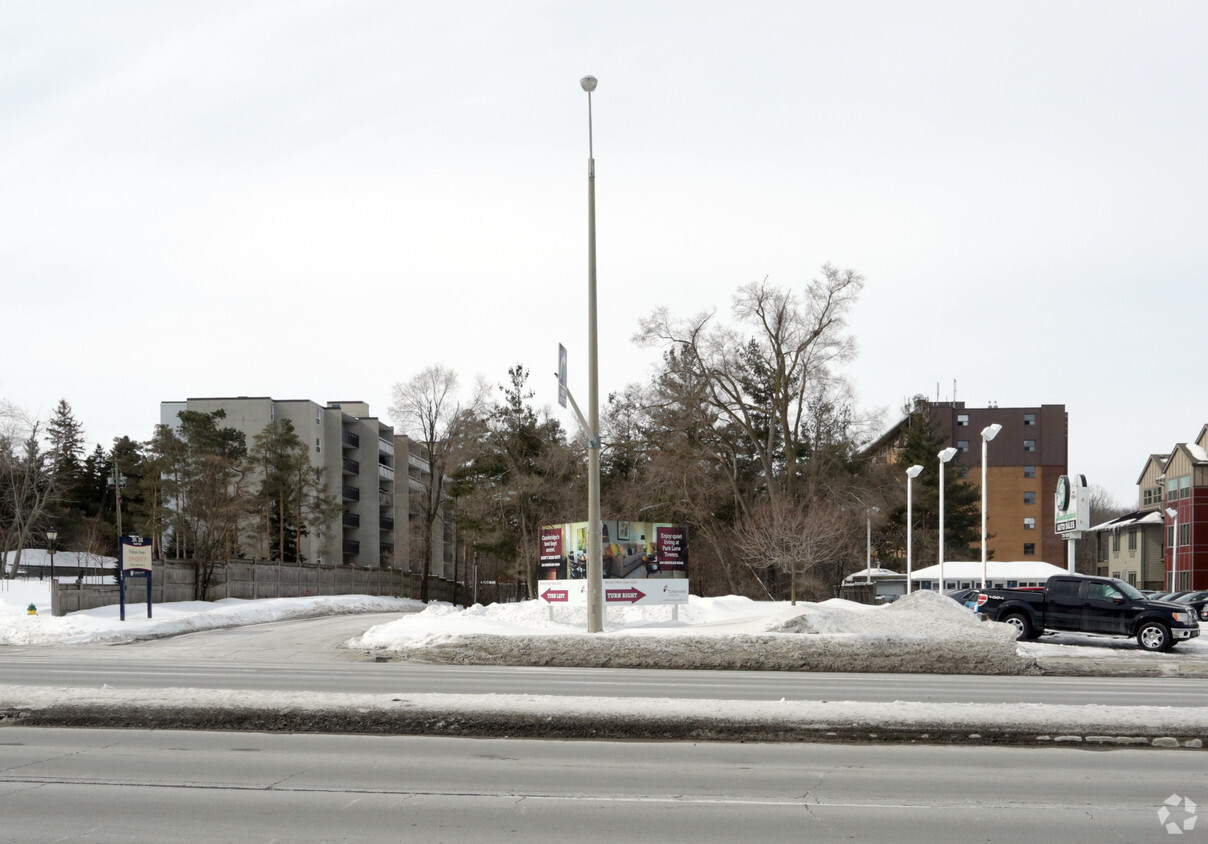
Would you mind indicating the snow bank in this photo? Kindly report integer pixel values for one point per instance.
(924, 633)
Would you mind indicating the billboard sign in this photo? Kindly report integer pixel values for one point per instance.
(631, 550)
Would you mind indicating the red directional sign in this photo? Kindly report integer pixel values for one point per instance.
(621, 596)
(556, 595)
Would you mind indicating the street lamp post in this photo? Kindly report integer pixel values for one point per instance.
(868, 520)
(988, 433)
(595, 549)
(52, 536)
(1174, 549)
(944, 456)
(911, 474)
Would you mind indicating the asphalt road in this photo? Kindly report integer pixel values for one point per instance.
(166, 786)
(304, 655)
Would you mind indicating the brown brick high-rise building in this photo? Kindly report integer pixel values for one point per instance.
(1023, 463)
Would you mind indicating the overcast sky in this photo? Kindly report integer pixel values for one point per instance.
(316, 200)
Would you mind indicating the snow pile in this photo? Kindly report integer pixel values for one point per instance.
(103, 625)
(924, 633)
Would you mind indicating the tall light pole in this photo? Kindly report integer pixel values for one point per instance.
(1174, 550)
(868, 519)
(988, 433)
(945, 455)
(911, 474)
(595, 549)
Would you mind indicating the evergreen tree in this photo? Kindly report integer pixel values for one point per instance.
(66, 452)
(921, 444)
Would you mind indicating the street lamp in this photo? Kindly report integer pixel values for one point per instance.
(868, 519)
(595, 549)
(911, 474)
(988, 433)
(1174, 549)
(52, 537)
(945, 455)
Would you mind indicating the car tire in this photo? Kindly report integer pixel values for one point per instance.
(1020, 622)
(1155, 636)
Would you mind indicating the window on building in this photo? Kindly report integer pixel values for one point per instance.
(1029, 523)
(962, 445)
(318, 416)
(1029, 471)
(1132, 539)
(964, 472)
(1169, 535)
(1184, 534)
(1172, 494)
(1029, 445)
(1029, 549)
(318, 445)
(1115, 542)
(1132, 578)
(1029, 498)
(962, 420)
(1185, 486)
(1029, 419)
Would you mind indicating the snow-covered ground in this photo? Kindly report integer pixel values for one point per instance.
(103, 625)
(924, 631)
(921, 631)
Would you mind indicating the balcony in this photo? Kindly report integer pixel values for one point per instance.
(385, 473)
(350, 493)
(385, 499)
(351, 519)
(349, 439)
(351, 546)
(385, 523)
(350, 466)
(385, 447)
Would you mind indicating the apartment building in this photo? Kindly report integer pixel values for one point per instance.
(1023, 463)
(356, 454)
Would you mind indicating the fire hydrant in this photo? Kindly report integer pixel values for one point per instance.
(32, 610)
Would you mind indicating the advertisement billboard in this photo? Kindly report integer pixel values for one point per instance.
(631, 550)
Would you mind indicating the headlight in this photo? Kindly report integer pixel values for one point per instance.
(1182, 617)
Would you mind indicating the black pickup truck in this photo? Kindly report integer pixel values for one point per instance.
(1101, 605)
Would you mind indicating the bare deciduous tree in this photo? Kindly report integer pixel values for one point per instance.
(429, 410)
(794, 538)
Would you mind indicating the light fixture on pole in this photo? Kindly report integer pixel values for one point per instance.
(595, 543)
(988, 433)
(1174, 549)
(868, 519)
(944, 456)
(52, 537)
(911, 474)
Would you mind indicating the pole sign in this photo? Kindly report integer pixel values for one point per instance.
(562, 375)
(136, 562)
(1071, 506)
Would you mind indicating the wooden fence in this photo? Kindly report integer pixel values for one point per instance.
(176, 581)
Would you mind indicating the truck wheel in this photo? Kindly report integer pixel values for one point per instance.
(1155, 636)
(1021, 624)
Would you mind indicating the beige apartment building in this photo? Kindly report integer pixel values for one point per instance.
(368, 467)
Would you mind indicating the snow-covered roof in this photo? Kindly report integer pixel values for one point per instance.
(71, 559)
(1197, 451)
(997, 569)
(1144, 517)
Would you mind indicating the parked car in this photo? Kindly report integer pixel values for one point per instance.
(1102, 605)
(967, 597)
(1198, 601)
